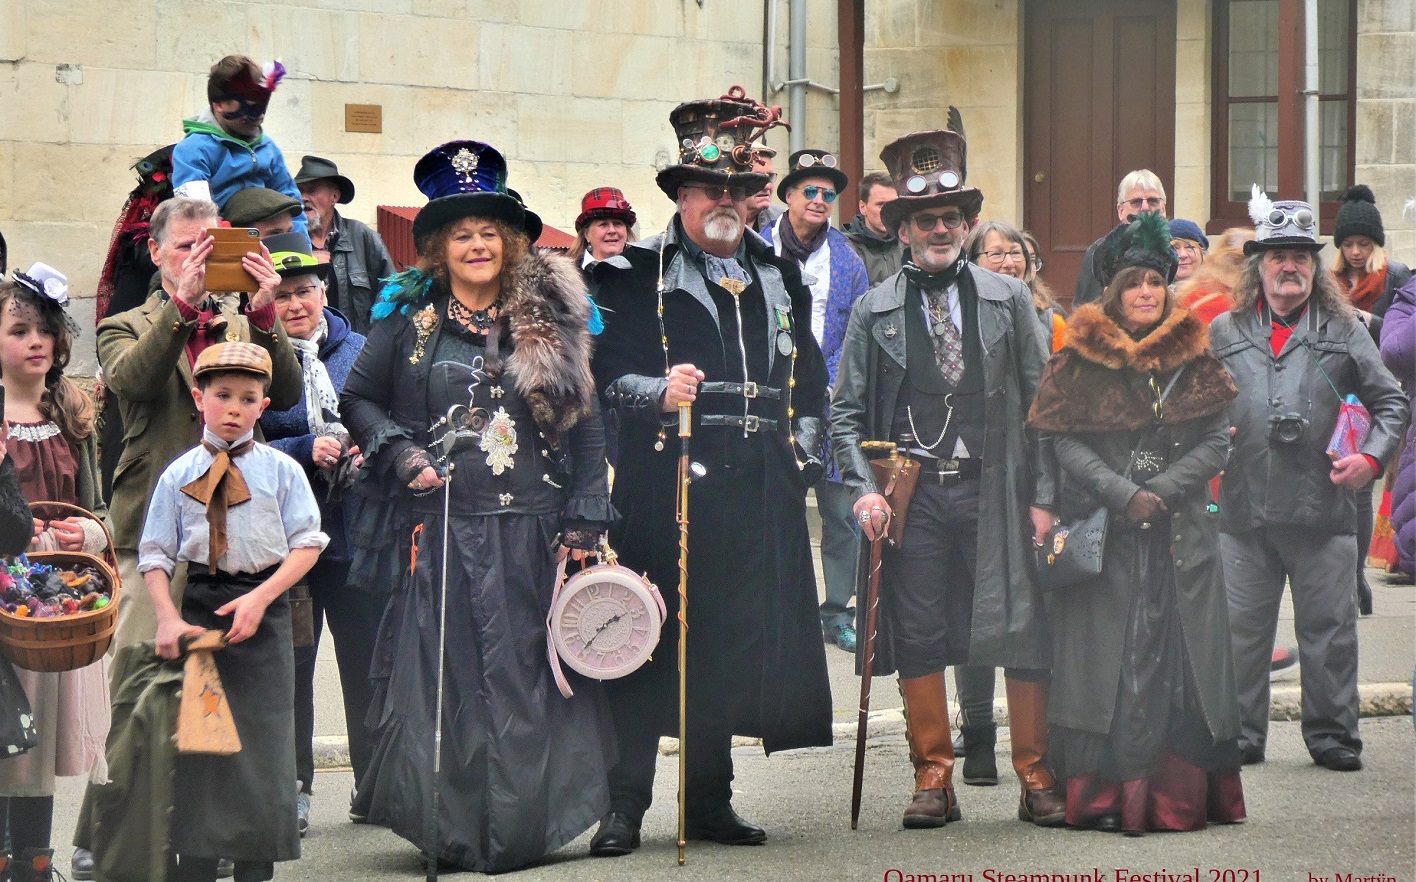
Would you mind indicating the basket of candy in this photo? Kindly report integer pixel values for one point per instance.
(58, 609)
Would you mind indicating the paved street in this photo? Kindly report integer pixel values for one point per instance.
(1302, 819)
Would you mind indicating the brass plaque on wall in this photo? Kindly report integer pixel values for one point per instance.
(363, 118)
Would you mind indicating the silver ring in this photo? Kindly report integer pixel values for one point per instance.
(864, 517)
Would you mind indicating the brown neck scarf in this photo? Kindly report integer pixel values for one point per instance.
(221, 487)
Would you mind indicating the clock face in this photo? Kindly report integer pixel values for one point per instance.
(605, 626)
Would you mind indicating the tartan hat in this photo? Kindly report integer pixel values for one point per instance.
(605, 202)
(245, 358)
(467, 179)
(715, 140)
(251, 205)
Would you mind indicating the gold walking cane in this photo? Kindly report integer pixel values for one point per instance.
(685, 477)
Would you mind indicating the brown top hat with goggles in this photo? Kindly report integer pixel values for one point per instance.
(715, 142)
(928, 170)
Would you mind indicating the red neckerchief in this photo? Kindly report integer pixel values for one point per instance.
(1282, 330)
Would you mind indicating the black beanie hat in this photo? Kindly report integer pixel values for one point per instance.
(1358, 216)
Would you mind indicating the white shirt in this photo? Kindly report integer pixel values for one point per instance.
(816, 273)
(280, 516)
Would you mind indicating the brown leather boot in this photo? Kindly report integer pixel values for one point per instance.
(931, 752)
(1027, 719)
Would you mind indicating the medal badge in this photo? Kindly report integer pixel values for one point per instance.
(499, 442)
(785, 344)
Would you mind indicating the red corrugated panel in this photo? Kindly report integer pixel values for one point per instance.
(396, 227)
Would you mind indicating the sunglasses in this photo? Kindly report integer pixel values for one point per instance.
(736, 192)
(926, 223)
(827, 194)
(247, 111)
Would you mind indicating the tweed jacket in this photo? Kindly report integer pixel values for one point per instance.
(144, 359)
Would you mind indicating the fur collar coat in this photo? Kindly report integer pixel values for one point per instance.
(1101, 379)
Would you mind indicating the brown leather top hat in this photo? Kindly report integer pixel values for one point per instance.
(928, 170)
(315, 168)
(715, 142)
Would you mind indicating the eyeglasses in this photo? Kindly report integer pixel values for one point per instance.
(827, 194)
(1151, 202)
(1037, 264)
(306, 293)
(247, 111)
(1185, 245)
(1016, 255)
(736, 192)
(926, 223)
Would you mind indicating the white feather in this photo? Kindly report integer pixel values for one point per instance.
(1259, 205)
(1410, 210)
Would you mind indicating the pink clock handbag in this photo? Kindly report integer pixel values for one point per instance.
(604, 622)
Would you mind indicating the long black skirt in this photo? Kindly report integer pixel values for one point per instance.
(523, 769)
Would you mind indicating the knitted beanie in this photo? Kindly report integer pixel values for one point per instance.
(1358, 216)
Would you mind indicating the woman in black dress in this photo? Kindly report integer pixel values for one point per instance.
(488, 322)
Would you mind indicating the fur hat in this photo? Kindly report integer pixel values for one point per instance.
(1288, 223)
(467, 179)
(715, 142)
(929, 169)
(812, 164)
(1358, 216)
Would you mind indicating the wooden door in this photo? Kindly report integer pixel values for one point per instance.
(1099, 101)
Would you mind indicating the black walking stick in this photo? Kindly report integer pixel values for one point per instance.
(433, 837)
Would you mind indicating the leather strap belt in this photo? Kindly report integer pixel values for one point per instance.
(747, 423)
(950, 471)
(746, 390)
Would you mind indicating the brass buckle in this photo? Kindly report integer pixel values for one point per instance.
(949, 467)
(749, 390)
(750, 424)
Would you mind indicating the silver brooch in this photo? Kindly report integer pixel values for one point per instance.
(505, 499)
(890, 332)
(499, 442)
(464, 162)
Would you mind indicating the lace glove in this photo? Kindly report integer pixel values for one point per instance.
(581, 537)
(411, 464)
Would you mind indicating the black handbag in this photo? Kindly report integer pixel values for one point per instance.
(1072, 553)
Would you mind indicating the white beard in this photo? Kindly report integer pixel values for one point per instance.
(723, 225)
(314, 221)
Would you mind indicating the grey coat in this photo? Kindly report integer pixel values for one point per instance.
(360, 260)
(1008, 627)
(1270, 483)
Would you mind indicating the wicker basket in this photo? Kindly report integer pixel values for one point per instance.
(69, 642)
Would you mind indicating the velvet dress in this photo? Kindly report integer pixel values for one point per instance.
(523, 770)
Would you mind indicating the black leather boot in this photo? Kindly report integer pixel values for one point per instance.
(980, 765)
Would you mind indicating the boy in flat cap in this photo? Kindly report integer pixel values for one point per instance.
(242, 517)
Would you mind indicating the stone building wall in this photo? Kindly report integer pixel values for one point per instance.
(1386, 115)
(576, 93)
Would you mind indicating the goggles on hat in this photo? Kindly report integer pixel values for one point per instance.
(948, 179)
(1300, 217)
(808, 160)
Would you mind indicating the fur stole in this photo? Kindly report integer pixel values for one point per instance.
(548, 315)
(1100, 380)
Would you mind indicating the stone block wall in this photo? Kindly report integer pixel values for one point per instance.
(576, 94)
(1386, 115)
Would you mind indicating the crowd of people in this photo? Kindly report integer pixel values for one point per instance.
(412, 456)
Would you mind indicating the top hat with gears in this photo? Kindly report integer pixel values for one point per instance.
(715, 142)
(929, 170)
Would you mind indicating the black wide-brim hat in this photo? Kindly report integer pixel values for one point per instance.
(467, 179)
(292, 255)
(317, 168)
(815, 167)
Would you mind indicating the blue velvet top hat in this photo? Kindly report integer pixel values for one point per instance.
(1287, 223)
(466, 179)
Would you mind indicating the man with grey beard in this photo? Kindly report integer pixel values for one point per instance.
(707, 315)
(357, 253)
